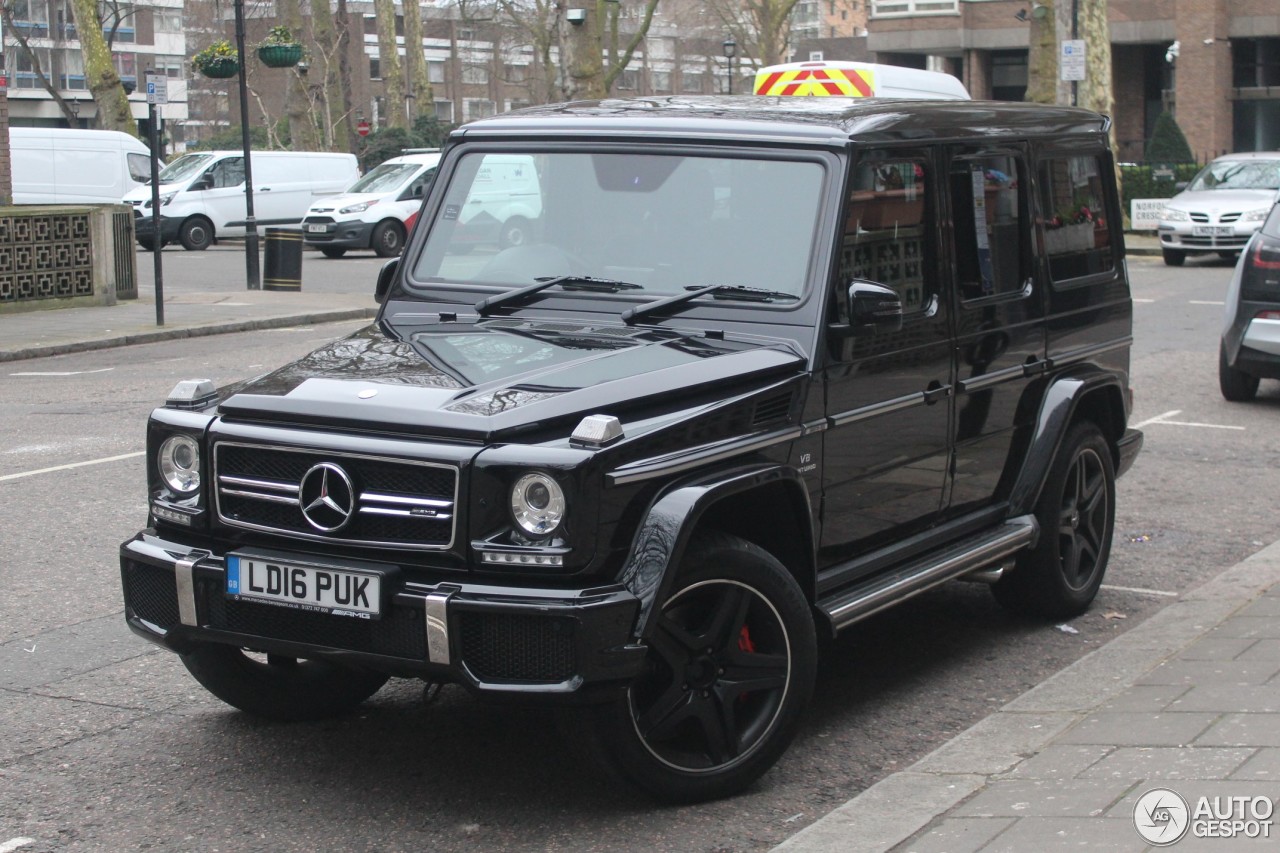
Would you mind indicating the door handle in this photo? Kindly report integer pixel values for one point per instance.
(935, 392)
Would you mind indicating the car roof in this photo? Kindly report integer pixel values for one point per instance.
(1249, 155)
(828, 120)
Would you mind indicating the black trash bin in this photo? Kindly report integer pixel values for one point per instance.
(282, 265)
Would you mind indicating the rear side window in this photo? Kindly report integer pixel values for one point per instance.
(1077, 236)
(139, 167)
(989, 212)
(884, 232)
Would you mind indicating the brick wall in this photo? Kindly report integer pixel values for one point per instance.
(1203, 76)
(1127, 81)
(6, 170)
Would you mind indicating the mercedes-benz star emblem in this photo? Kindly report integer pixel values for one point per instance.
(327, 497)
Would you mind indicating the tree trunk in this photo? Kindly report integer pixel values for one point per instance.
(418, 82)
(324, 70)
(303, 135)
(100, 72)
(388, 64)
(345, 124)
(580, 55)
(1095, 90)
(1042, 57)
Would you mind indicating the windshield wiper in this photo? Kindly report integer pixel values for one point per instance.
(570, 282)
(720, 291)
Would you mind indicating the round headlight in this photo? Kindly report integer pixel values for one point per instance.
(179, 464)
(537, 504)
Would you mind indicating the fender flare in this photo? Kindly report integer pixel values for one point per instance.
(1057, 412)
(664, 534)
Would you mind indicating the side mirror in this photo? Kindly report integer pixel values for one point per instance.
(1181, 185)
(204, 182)
(386, 277)
(873, 307)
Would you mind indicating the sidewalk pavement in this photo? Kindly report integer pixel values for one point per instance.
(330, 292)
(1188, 701)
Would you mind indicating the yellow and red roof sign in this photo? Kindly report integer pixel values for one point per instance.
(816, 78)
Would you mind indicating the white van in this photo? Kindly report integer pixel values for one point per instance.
(505, 198)
(857, 80)
(70, 166)
(375, 211)
(202, 194)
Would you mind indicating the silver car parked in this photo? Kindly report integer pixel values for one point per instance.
(1221, 208)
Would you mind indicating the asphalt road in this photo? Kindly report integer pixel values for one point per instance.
(110, 745)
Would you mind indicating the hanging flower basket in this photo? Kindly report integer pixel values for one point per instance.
(280, 55)
(219, 67)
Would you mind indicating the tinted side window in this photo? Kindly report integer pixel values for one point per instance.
(989, 214)
(1077, 240)
(884, 233)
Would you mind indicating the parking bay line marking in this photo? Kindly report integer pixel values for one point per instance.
(1144, 301)
(1202, 302)
(61, 373)
(14, 843)
(1140, 590)
(68, 467)
(1164, 419)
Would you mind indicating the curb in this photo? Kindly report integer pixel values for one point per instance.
(187, 332)
(876, 820)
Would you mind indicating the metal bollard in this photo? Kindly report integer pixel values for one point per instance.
(283, 260)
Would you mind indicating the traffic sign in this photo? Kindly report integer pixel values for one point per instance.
(1071, 61)
(157, 89)
(362, 127)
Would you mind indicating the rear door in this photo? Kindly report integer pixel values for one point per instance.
(999, 317)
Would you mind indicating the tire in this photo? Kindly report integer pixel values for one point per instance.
(515, 232)
(1236, 385)
(284, 689)
(196, 234)
(689, 729)
(1173, 257)
(147, 244)
(1059, 578)
(332, 252)
(387, 239)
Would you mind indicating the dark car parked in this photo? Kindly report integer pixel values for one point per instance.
(760, 369)
(1250, 347)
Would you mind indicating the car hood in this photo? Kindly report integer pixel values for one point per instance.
(143, 192)
(331, 203)
(1222, 201)
(484, 379)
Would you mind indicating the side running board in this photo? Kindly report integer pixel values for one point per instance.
(976, 552)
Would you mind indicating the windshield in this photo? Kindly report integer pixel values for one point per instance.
(385, 178)
(184, 167)
(663, 222)
(1239, 175)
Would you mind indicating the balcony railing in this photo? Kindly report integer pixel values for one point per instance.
(911, 8)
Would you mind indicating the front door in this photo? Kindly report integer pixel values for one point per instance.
(886, 448)
(223, 198)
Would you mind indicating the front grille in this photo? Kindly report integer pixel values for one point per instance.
(1199, 217)
(399, 633)
(1224, 243)
(1229, 217)
(151, 594)
(503, 647)
(396, 502)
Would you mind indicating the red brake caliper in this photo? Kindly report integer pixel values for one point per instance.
(744, 642)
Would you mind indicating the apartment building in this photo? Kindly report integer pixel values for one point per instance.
(143, 34)
(1215, 63)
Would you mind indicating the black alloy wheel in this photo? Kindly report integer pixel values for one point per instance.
(1059, 578)
(731, 663)
(1236, 385)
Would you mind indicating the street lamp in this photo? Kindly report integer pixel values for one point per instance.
(730, 48)
(74, 106)
(252, 275)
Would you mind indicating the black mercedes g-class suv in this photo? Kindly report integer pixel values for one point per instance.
(757, 369)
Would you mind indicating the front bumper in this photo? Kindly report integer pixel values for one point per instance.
(352, 234)
(573, 644)
(1202, 237)
(142, 226)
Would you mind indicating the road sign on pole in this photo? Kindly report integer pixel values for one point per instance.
(1071, 61)
(157, 89)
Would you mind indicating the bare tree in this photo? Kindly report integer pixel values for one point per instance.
(19, 34)
(327, 103)
(389, 63)
(1044, 78)
(418, 82)
(762, 28)
(100, 71)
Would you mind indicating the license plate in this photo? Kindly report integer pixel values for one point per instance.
(317, 229)
(1213, 230)
(317, 589)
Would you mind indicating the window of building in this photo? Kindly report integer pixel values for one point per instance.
(169, 66)
(444, 111)
(989, 213)
(815, 56)
(691, 83)
(475, 74)
(516, 73)
(474, 108)
(31, 17)
(370, 25)
(1008, 75)
(73, 71)
(375, 68)
(661, 80)
(629, 80)
(122, 18)
(435, 71)
(885, 235)
(1077, 239)
(168, 20)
